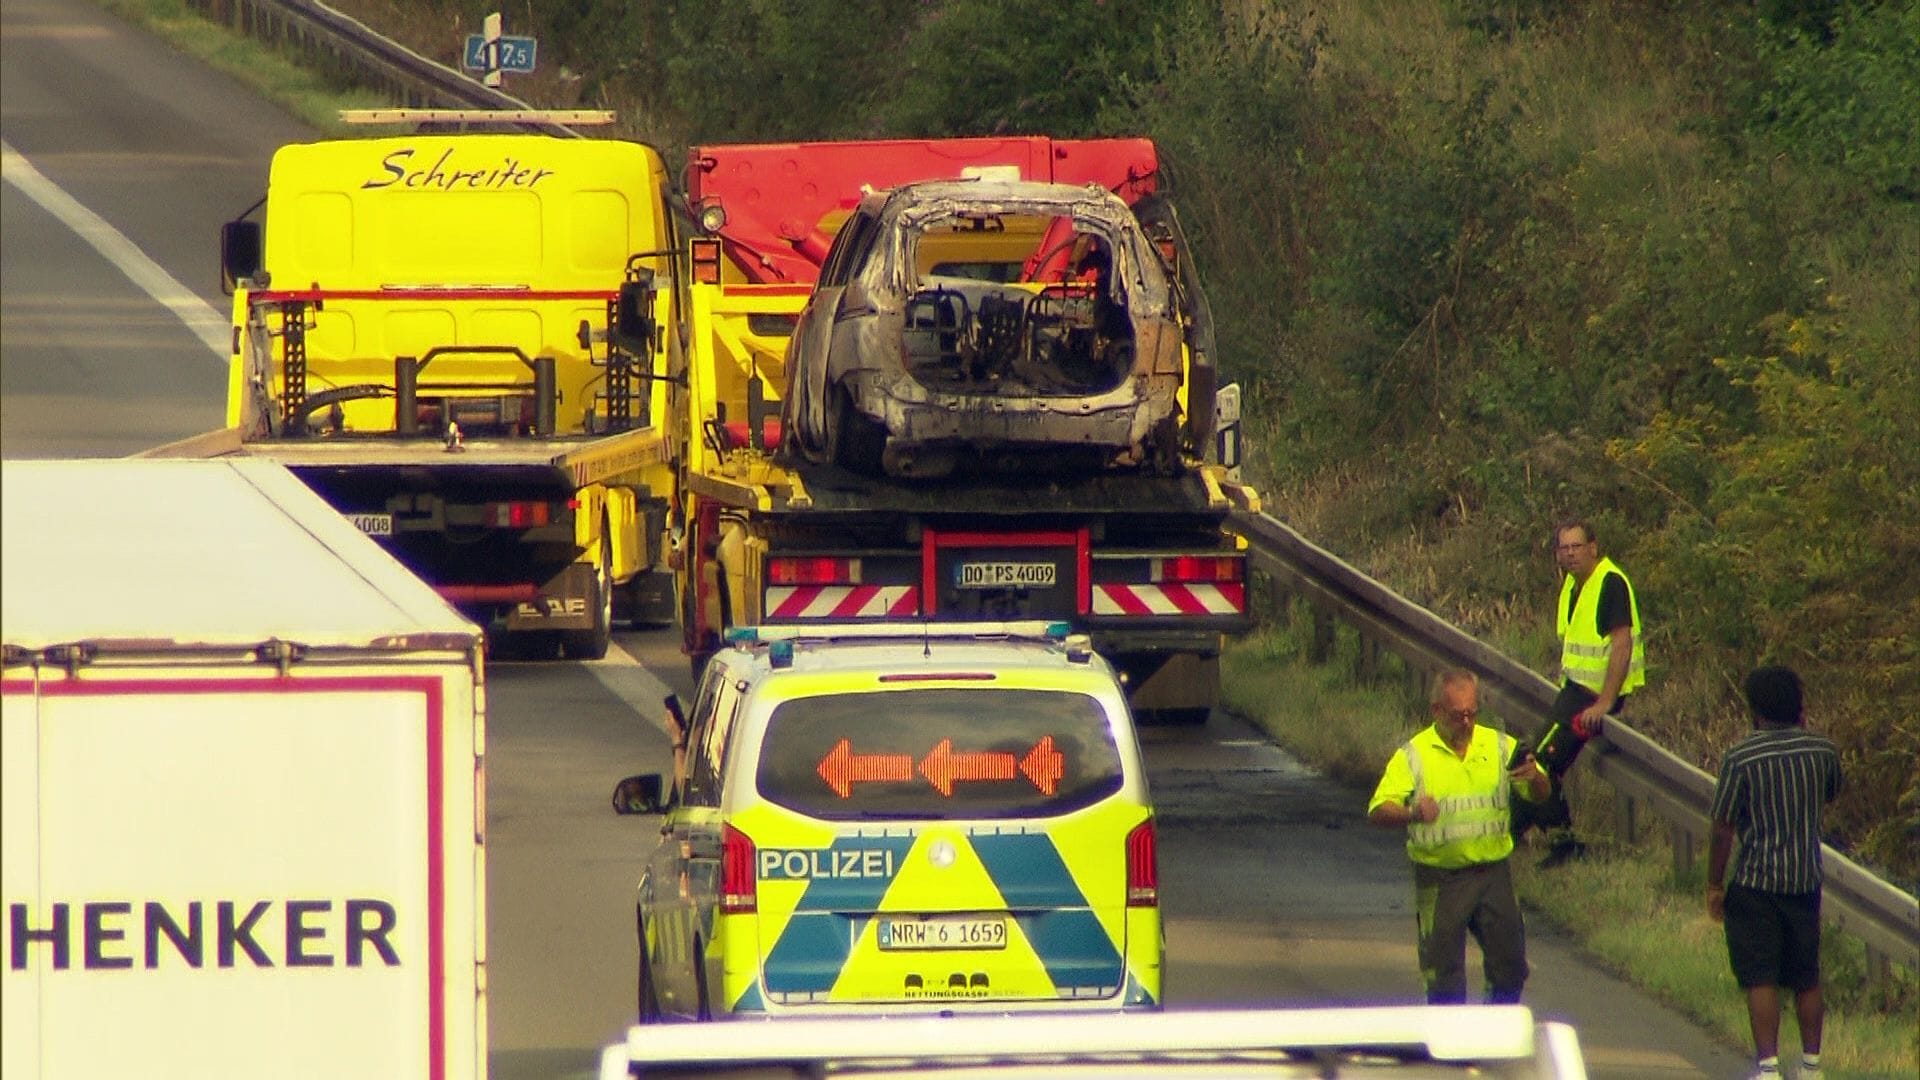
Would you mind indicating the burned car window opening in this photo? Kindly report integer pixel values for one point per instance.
(1060, 330)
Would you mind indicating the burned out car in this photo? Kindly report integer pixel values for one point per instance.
(991, 325)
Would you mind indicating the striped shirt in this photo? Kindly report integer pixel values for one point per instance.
(1773, 784)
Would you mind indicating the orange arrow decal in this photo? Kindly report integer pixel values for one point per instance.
(842, 768)
(1044, 766)
(942, 766)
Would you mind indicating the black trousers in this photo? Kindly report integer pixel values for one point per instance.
(1557, 750)
(1477, 900)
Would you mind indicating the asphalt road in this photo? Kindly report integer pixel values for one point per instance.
(1274, 890)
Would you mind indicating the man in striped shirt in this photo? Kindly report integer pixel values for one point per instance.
(1773, 786)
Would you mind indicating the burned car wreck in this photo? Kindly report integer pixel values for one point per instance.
(989, 325)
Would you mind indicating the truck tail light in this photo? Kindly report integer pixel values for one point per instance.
(1143, 867)
(813, 570)
(738, 893)
(522, 514)
(706, 260)
(1192, 569)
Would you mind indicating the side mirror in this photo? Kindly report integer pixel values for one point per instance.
(241, 249)
(633, 326)
(638, 795)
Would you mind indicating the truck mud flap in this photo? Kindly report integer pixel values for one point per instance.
(1170, 688)
(647, 600)
(566, 602)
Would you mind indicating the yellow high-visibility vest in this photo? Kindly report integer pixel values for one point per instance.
(1472, 792)
(1583, 649)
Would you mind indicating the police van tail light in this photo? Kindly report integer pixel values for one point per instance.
(737, 891)
(1143, 867)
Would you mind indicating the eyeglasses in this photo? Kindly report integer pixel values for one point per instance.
(1461, 714)
(1574, 547)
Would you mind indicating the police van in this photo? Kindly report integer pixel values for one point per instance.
(890, 818)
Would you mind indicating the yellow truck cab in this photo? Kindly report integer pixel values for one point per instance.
(420, 335)
(894, 818)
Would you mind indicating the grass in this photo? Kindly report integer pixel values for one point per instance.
(310, 97)
(1624, 904)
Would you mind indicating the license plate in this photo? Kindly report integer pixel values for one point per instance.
(373, 524)
(944, 932)
(1003, 575)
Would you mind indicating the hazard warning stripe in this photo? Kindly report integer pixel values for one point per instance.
(1228, 598)
(841, 601)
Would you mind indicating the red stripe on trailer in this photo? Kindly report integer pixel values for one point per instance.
(428, 293)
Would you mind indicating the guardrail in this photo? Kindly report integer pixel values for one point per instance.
(338, 44)
(1883, 916)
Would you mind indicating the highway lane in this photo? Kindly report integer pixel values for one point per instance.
(1273, 889)
(106, 117)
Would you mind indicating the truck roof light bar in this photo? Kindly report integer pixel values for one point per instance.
(567, 117)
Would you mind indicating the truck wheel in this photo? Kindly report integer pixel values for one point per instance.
(649, 1007)
(592, 644)
(700, 979)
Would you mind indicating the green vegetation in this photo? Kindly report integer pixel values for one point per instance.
(1478, 264)
(313, 98)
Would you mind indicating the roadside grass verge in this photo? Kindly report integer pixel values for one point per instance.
(1623, 904)
(309, 96)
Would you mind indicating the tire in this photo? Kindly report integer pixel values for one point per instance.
(700, 979)
(854, 442)
(648, 998)
(592, 644)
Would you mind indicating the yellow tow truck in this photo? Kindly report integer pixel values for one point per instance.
(1141, 560)
(420, 334)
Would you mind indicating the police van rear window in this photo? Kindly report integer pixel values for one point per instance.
(939, 753)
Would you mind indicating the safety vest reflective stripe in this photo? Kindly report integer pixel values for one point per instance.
(1584, 650)
(1461, 817)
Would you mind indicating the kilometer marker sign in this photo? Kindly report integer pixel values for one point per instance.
(1043, 766)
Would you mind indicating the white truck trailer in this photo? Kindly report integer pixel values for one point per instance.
(243, 785)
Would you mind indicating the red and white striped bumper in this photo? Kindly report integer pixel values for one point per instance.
(1224, 598)
(842, 601)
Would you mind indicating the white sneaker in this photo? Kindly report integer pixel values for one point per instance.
(1810, 1072)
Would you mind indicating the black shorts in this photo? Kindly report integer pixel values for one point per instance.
(1773, 939)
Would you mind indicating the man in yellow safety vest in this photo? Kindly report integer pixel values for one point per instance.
(1602, 660)
(1451, 788)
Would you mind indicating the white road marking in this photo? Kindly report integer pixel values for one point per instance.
(209, 325)
(629, 680)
